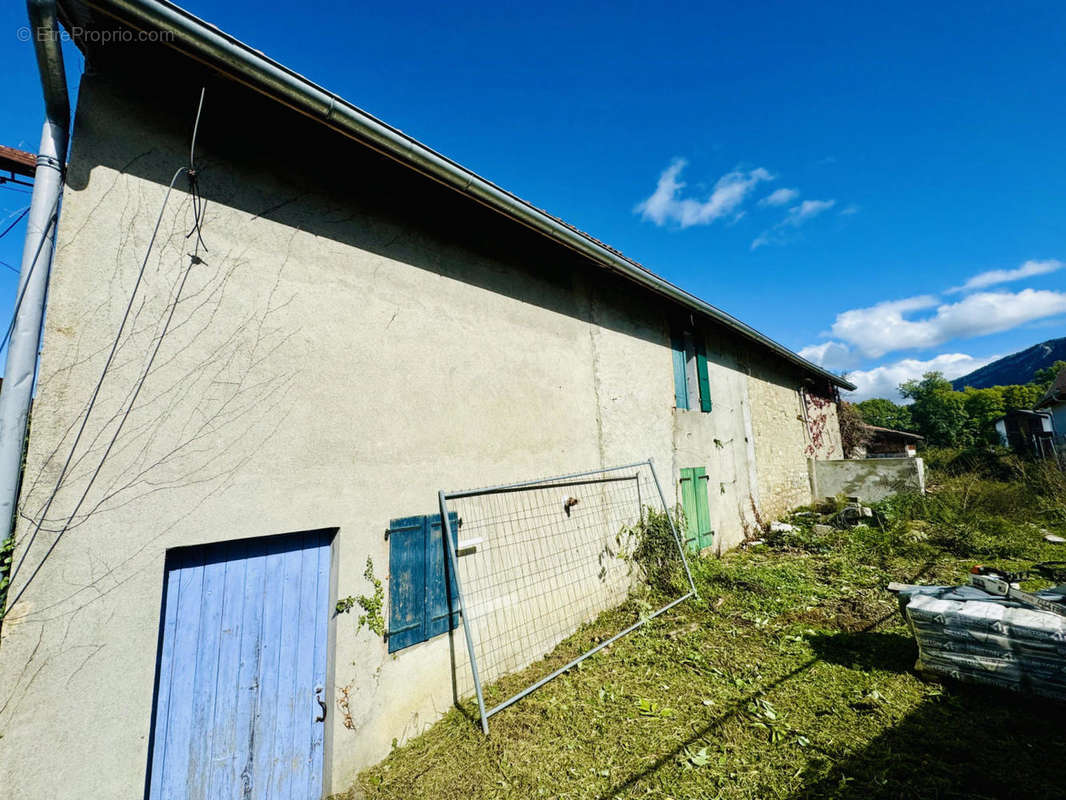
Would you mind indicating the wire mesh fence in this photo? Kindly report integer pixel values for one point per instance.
(538, 559)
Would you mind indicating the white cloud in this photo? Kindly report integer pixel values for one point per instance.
(808, 209)
(764, 238)
(882, 328)
(883, 381)
(796, 216)
(831, 355)
(779, 197)
(666, 205)
(849, 210)
(997, 276)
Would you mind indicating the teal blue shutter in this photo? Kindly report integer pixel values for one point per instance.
(423, 596)
(677, 344)
(701, 374)
(407, 582)
(442, 596)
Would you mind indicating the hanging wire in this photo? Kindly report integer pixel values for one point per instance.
(194, 259)
(53, 217)
(196, 130)
(18, 219)
(199, 204)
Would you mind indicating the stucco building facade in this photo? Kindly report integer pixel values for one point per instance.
(355, 337)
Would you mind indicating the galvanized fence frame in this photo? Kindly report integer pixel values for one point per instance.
(468, 621)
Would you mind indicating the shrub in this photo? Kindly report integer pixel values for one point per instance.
(655, 550)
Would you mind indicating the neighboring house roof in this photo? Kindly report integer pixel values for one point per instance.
(206, 43)
(1056, 393)
(893, 432)
(17, 162)
(1022, 412)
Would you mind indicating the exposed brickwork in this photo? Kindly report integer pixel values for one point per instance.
(823, 424)
(785, 437)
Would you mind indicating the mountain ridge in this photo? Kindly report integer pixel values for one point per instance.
(1016, 368)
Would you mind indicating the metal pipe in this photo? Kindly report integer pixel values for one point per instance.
(570, 665)
(37, 252)
(206, 43)
(468, 623)
(548, 483)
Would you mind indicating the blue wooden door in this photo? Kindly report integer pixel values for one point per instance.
(242, 668)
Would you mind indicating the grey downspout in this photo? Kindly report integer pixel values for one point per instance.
(37, 251)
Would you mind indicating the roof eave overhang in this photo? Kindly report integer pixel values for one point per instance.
(210, 45)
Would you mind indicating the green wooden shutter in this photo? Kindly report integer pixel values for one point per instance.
(677, 344)
(701, 374)
(704, 534)
(694, 501)
(689, 505)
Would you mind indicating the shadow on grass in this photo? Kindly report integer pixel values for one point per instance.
(730, 713)
(973, 742)
(866, 650)
(833, 646)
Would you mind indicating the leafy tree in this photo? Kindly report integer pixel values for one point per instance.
(885, 414)
(983, 408)
(1046, 376)
(1022, 396)
(938, 411)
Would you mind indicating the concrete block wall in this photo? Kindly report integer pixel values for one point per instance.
(869, 479)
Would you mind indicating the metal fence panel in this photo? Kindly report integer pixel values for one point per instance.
(536, 560)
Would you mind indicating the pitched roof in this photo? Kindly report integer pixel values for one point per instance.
(1056, 393)
(234, 59)
(894, 432)
(18, 162)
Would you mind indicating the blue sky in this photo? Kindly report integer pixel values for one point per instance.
(836, 176)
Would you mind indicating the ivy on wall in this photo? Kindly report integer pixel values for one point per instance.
(371, 604)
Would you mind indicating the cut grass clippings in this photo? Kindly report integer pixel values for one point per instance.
(791, 677)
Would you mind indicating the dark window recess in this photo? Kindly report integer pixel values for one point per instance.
(692, 387)
(423, 598)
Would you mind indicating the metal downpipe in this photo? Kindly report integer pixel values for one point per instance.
(16, 396)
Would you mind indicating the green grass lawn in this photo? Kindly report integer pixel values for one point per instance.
(791, 677)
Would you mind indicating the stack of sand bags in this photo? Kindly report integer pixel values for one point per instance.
(967, 634)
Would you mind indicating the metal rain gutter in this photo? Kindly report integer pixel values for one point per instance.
(17, 394)
(208, 44)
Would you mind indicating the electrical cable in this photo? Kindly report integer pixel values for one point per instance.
(18, 219)
(33, 265)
